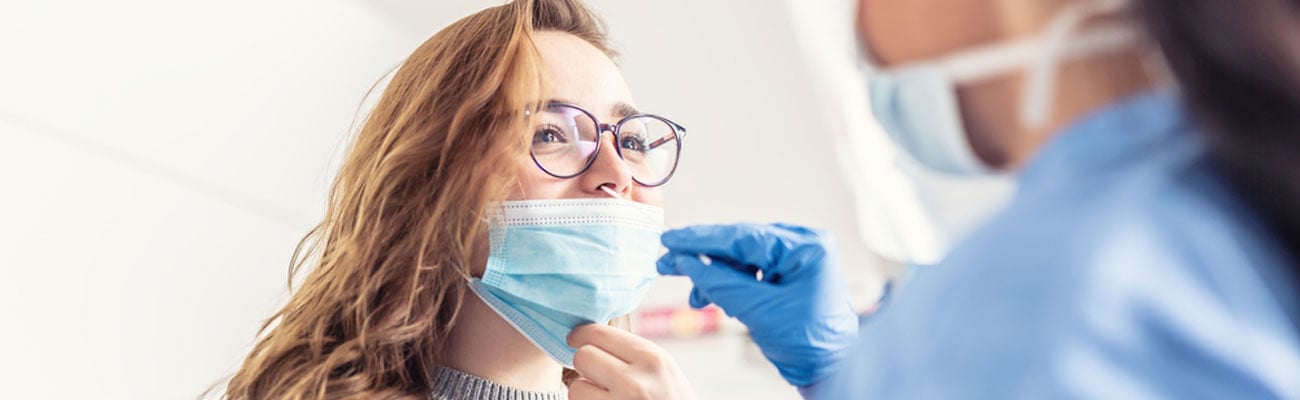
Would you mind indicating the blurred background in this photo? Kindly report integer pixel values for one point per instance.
(159, 160)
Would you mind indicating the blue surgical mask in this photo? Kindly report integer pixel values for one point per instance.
(918, 109)
(557, 264)
(917, 106)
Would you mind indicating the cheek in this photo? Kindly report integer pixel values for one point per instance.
(651, 196)
(533, 184)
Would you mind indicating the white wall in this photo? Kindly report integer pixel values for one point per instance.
(160, 159)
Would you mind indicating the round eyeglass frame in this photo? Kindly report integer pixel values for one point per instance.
(679, 132)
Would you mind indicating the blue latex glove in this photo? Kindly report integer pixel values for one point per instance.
(799, 314)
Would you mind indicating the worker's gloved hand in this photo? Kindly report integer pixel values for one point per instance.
(799, 313)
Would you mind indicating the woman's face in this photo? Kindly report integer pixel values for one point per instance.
(578, 73)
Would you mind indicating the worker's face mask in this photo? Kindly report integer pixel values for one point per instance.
(557, 264)
(917, 104)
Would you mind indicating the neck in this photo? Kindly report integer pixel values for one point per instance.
(485, 345)
(990, 109)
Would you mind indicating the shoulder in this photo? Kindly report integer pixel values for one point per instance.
(1145, 283)
(1141, 285)
(1165, 236)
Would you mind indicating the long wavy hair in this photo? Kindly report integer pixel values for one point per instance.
(387, 264)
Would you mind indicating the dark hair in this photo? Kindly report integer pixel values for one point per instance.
(1238, 65)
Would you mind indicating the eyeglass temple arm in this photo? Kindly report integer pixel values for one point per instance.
(681, 131)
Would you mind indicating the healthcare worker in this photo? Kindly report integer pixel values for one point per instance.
(1149, 252)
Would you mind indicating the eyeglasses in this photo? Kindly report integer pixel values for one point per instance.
(566, 141)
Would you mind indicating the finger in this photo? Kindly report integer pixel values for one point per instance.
(814, 246)
(717, 268)
(624, 345)
(584, 389)
(801, 230)
(733, 290)
(712, 239)
(665, 265)
(698, 300)
(601, 367)
(758, 245)
(668, 263)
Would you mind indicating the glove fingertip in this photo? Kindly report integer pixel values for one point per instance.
(666, 266)
(675, 237)
(698, 300)
(686, 263)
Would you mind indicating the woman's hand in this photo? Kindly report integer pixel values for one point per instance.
(616, 364)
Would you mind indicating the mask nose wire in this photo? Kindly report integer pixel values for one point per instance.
(1037, 94)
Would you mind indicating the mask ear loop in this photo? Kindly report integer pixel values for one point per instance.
(490, 217)
(1156, 65)
(1037, 98)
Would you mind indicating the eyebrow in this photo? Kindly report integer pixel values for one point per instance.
(620, 109)
(623, 110)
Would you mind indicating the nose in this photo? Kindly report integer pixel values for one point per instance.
(608, 170)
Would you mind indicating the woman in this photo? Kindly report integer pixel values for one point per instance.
(443, 267)
(1151, 251)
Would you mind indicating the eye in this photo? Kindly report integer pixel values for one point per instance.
(549, 134)
(634, 143)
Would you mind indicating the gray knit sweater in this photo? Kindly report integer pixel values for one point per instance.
(450, 384)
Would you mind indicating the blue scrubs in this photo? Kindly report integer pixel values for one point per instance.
(1123, 268)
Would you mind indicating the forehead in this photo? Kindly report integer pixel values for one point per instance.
(578, 72)
(903, 31)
